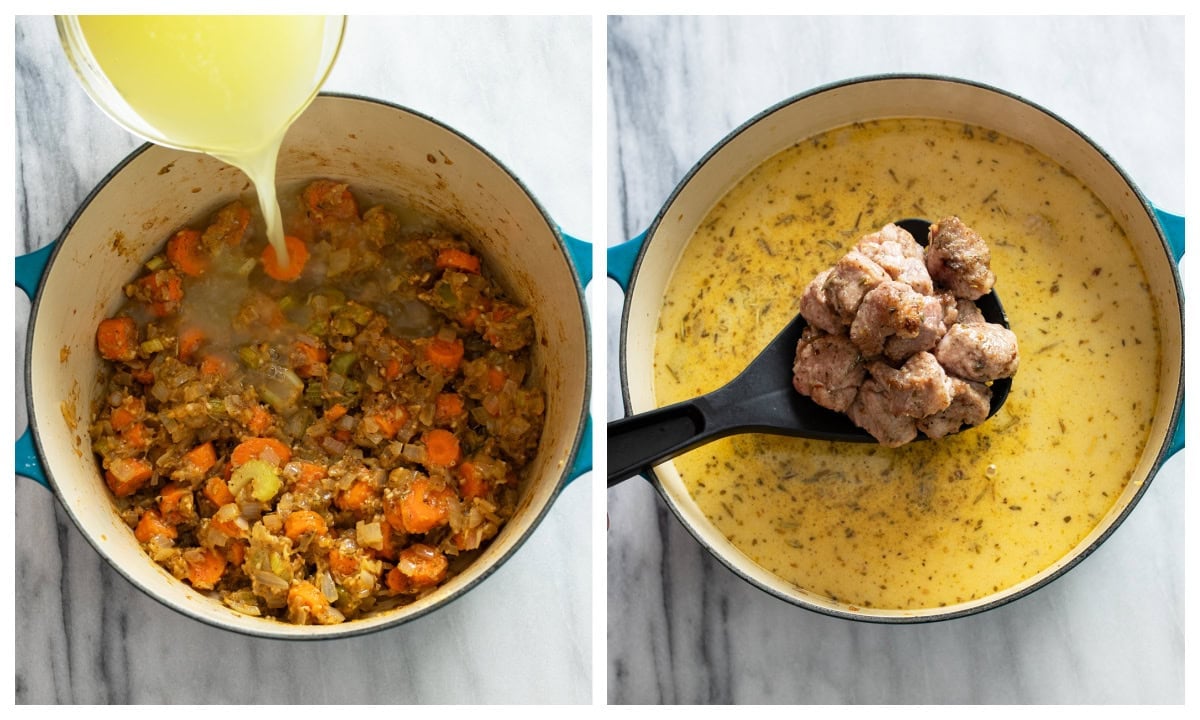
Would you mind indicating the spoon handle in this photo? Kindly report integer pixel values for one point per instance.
(639, 442)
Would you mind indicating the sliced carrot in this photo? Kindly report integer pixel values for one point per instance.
(125, 475)
(310, 474)
(121, 418)
(230, 528)
(190, 341)
(171, 501)
(356, 496)
(391, 371)
(164, 290)
(390, 421)
(471, 483)
(422, 565)
(217, 490)
(297, 256)
(268, 449)
(205, 568)
(420, 510)
(144, 376)
(457, 260)
(449, 406)
(335, 413)
(303, 595)
(397, 581)
(235, 552)
(441, 448)
(260, 420)
(308, 358)
(342, 564)
(215, 366)
(135, 436)
(496, 378)
(203, 457)
(446, 354)
(186, 254)
(151, 525)
(326, 199)
(302, 522)
(116, 339)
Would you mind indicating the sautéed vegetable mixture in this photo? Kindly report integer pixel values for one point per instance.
(316, 438)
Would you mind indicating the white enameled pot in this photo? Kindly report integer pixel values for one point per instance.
(643, 267)
(376, 147)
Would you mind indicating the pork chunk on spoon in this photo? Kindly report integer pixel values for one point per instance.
(763, 399)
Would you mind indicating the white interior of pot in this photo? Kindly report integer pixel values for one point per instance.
(369, 145)
(869, 100)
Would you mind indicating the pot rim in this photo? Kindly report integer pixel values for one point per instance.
(352, 628)
(1002, 598)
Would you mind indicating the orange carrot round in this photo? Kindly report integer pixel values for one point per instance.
(455, 259)
(190, 341)
(446, 354)
(125, 475)
(297, 256)
(217, 490)
(204, 568)
(268, 449)
(355, 496)
(186, 254)
(202, 456)
(150, 526)
(304, 521)
(471, 482)
(116, 338)
(441, 448)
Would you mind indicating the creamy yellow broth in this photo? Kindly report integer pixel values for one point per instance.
(934, 523)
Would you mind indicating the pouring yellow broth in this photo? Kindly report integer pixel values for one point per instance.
(934, 523)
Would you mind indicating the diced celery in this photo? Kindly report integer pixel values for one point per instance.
(250, 356)
(342, 363)
(262, 478)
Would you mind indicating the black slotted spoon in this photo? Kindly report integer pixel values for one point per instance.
(760, 400)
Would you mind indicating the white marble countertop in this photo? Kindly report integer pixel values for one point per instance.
(520, 87)
(684, 629)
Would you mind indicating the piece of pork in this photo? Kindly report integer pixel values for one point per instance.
(917, 389)
(829, 369)
(892, 308)
(895, 250)
(981, 352)
(933, 327)
(871, 411)
(959, 259)
(815, 307)
(968, 313)
(849, 281)
(969, 406)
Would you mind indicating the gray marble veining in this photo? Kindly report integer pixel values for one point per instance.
(520, 87)
(684, 629)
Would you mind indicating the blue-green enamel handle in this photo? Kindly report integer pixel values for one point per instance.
(1173, 228)
(29, 275)
(621, 259)
(581, 255)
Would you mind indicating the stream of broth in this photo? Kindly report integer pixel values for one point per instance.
(933, 523)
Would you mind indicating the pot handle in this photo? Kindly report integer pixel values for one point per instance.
(622, 258)
(580, 252)
(1173, 230)
(29, 271)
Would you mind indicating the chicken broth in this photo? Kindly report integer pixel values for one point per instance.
(941, 522)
